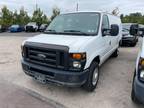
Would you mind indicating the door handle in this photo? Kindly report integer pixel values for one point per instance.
(109, 42)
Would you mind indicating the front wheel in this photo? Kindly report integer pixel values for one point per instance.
(133, 44)
(133, 96)
(115, 54)
(93, 77)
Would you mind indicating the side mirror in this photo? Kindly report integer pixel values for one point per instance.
(105, 32)
(114, 30)
(134, 29)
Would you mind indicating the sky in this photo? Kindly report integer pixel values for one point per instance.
(125, 6)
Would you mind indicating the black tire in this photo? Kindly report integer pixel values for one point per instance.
(90, 85)
(133, 96)
(120, 43)
(115, 54)
(133, 44)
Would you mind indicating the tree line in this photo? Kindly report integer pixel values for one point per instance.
(133, 18)
(21, 17)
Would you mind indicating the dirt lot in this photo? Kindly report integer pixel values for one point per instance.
(113, 90)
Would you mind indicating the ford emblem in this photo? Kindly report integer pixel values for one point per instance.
(42, 56)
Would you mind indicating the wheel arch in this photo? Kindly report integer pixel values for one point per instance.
(91, 60)
(96, 59)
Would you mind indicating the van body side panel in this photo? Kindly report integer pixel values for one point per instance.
(101, 46)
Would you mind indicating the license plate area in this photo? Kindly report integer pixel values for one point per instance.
(40, 78)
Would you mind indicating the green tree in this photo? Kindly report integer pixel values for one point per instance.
(23, 17)
(56, 11)
(121, 16)
(133, 18)
(45, 19)
(37, 16)
(7, 16)
(0, 17)
(15, 17)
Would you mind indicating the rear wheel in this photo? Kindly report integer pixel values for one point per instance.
(93, 77)
(133, 44)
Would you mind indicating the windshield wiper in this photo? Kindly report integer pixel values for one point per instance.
(66, 31)
(50, 31)
(76, 31)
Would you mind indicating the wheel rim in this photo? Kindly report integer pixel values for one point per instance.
(95, 77)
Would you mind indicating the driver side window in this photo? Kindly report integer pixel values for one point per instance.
(105, 22)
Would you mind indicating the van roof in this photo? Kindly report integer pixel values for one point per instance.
(88, 12)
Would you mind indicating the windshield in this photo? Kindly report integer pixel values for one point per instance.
(31, 23)
(15, 26)
(75, 23)
(43, 25)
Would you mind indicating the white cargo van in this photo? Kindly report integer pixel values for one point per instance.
(72, 49)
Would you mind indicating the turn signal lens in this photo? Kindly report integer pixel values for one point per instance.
(78, 56)
(141, 62)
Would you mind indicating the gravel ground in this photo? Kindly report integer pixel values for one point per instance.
(12, 96)
(114, 87)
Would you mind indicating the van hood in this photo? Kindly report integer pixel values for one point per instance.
(73, 42)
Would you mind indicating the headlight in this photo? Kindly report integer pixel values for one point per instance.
(76, 64)
(142, 74)
(77, 61)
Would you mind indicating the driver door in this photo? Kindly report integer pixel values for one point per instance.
(106, 38)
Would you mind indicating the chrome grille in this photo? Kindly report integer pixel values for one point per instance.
(47, 55)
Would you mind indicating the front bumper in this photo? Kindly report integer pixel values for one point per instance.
(14, 30)
(30, 28)
(129, 40)
(60, 77)
(139, 90)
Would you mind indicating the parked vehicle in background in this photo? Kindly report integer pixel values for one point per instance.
(16, 28)
(31, 27)
(137, 93)
(72, 49)
(2, 28)
(141, 32)
(127, 39)
(43, 27)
